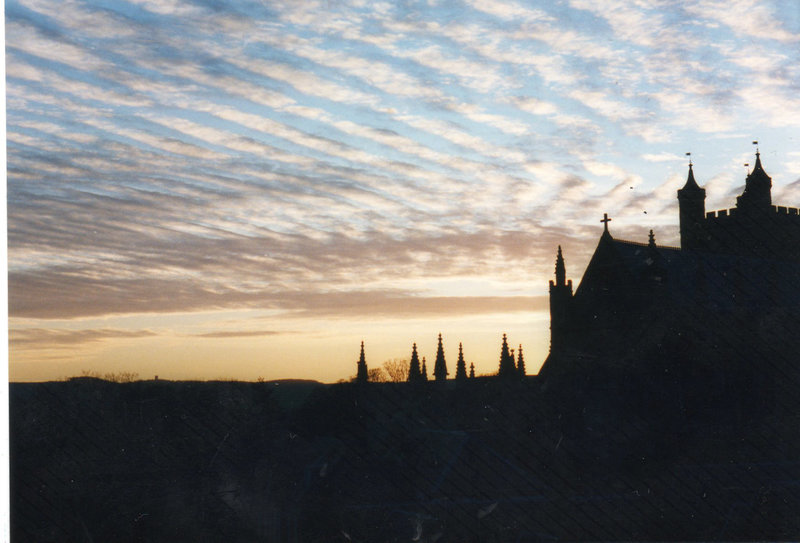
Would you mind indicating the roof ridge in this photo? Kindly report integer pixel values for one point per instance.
(641, 244)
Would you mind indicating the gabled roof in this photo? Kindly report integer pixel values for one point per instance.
(713, 280)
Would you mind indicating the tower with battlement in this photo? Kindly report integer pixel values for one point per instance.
(729, 296)
(754, 228)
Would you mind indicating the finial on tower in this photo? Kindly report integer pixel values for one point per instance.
(652, 241)
(756, 144)
(690, 160)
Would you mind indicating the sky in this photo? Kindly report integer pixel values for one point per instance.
(202, 189)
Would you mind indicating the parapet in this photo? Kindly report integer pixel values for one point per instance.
(777, 210)
(721, 213)
(783, 210)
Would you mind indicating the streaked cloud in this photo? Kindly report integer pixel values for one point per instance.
(326, 161)
(33, 338)
(234, 334)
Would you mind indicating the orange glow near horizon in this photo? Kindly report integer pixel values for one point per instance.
(323, 350)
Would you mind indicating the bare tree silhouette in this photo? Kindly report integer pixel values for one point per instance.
(396, 369)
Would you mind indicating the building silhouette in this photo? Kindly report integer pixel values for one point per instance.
(461, 364)
(414, 370)
(753, 228)
(362, 372)
(440, 367)
(722, 307)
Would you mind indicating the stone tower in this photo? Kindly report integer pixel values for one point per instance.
(692, 204)
(560, 297)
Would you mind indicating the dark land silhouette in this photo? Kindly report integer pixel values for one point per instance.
(616, 457)
(667, 409)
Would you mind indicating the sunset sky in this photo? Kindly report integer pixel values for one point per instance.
(206, 189)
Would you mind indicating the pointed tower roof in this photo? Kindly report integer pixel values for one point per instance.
(691, 185)
(757, 189)
(758, 174)
(424, 370)
(758, 168)
(520, 362)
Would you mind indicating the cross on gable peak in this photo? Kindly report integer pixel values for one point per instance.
(605, 221)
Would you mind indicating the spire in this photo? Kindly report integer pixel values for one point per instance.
(414, 372)
(440, 367)
(651, 243)
(507, 366)
(561, 270)
(520, 362)
(472, 370)
(424, 370)
(362, 374)
(461, 365)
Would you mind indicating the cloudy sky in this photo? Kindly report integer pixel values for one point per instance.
(207, 189)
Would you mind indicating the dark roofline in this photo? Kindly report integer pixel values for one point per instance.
(640, 244)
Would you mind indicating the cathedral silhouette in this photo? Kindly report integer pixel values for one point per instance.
(667, 410)
(723, 306)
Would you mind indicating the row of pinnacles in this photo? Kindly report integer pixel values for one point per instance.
(418, 372)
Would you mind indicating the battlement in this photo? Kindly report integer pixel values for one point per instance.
(722, 213)
(776, 210)
(783, 210)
